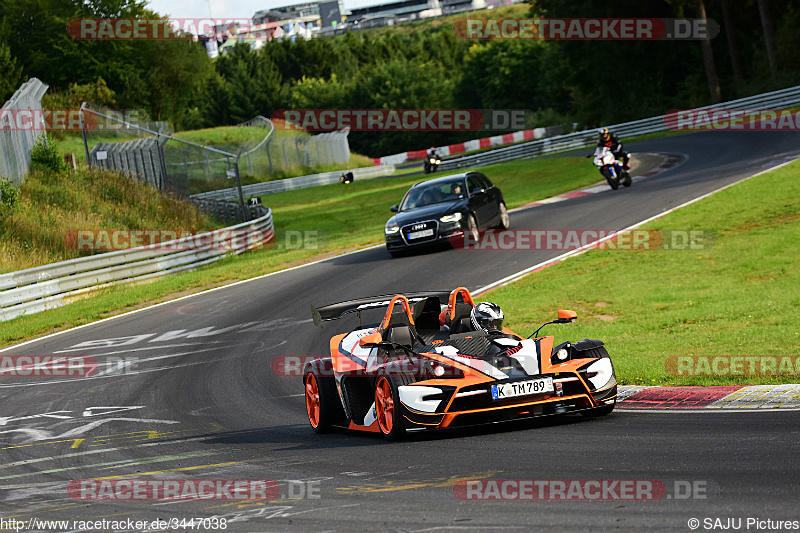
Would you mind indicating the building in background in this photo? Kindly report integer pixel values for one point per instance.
(451, 7)
(310, 19)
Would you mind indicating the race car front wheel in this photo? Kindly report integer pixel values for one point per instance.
(387, 409)
(320, 398)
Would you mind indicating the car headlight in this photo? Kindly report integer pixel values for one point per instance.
(391, 230)
(455, 217)
(561, 353)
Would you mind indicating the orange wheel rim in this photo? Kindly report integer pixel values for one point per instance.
(312, 400)
(384, 405)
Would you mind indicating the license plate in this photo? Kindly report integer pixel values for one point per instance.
(419, 234)
(522, 388)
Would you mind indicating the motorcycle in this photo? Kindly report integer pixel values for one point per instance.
(611, 169)
(432, 163)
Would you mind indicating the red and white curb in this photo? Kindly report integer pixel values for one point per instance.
(720, 397)
(468, 146)
(669, 161)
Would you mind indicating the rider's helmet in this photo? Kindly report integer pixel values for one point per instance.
(486, 316)
(603, 133)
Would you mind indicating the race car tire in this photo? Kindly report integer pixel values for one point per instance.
(505, 222)
(321, 400)
(599, 411)
(388, 410)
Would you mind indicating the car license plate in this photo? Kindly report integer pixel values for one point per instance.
(419, 234)
(522, 388)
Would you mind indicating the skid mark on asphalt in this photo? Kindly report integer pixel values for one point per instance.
(463, 528)
(181, 441)
(35, 436)
(136, 436)
(117, 464)
(130, 372)
(48, 510)
(389, 486)
(183, 469)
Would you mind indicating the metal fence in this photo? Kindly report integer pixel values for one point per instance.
(16, 143)
(777, 99)
(290, 184)
(187, 168)
(283, 152)
(159, 159)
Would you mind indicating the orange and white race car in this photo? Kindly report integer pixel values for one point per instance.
(426, 366)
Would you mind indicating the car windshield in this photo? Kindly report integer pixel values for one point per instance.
(434, 193)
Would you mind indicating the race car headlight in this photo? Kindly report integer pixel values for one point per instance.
(391, 230)
(561, 353)
(455, 217)
(599, 373)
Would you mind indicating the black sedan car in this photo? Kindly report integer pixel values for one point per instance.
(438, 210)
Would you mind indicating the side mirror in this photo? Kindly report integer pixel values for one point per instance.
(370, 341)
(566, 316)
(395, 208)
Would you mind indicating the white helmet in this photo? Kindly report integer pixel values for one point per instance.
(486, 316)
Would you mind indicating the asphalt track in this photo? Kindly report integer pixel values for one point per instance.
(199, 400)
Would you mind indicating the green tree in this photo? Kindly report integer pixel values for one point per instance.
(10, 73)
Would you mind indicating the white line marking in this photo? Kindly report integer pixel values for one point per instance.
(130, 350)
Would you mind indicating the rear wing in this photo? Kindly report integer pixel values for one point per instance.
(338, 310)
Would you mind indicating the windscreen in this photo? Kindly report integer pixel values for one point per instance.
(434, 193)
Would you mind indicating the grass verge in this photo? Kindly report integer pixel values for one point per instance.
(738, 296)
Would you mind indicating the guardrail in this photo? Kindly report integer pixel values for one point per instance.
(230, 211)
(290, 184)
(49, 286)
(583, 139)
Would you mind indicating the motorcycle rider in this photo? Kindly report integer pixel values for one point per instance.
(430, 160)
(611, 141)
